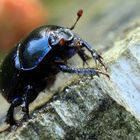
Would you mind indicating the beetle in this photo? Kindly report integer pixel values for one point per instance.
(34, 62)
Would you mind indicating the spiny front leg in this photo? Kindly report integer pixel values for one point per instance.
(81, 71)
(83, 56)
(94, 54)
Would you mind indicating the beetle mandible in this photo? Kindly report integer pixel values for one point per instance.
(28, 68)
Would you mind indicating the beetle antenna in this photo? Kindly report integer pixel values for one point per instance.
(79, 14)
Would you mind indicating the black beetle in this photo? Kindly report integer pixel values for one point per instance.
(30, 66)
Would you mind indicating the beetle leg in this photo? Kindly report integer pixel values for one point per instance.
(83, 56)
(10, 115)
(94, 54)
(28, 92)
(25, 108)
(59, 60)
(81, 71)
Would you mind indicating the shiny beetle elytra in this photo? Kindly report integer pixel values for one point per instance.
(34, 62)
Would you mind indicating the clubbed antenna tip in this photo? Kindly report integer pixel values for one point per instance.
(79, 14)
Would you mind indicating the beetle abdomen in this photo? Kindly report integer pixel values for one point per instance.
(9, 75)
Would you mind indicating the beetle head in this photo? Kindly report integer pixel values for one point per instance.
(61, 35)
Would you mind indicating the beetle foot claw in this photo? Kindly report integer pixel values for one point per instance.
(99, 58)
(16, 125)
(26, 117)
(100, 72)
(85, 63)
(10, 121)
(13, 124)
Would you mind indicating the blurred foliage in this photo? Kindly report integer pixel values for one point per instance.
(17, 19)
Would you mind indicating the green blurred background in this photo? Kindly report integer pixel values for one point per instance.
(102, 21)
